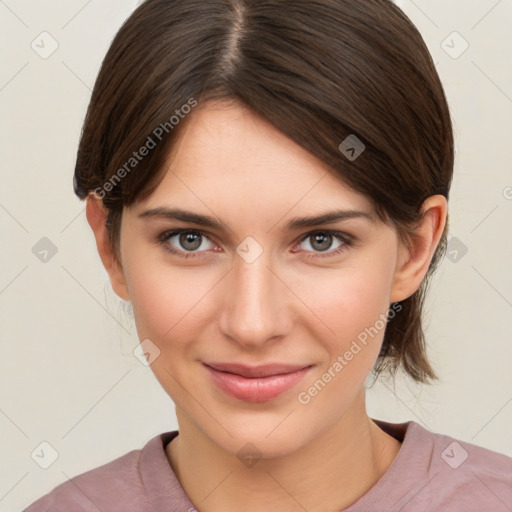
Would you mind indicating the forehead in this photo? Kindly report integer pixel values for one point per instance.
(227, 151)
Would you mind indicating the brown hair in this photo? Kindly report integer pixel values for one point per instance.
(318, 70)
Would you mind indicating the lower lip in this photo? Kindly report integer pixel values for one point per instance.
(259, 389)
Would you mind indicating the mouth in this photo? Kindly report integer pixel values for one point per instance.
(255, 383)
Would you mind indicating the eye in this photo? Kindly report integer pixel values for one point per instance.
(186, 241)
(190, 242)
(321, 242)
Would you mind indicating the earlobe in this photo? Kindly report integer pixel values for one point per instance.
(96, 215)
(413, 263)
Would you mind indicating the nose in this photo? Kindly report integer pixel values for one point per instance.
(257, 305)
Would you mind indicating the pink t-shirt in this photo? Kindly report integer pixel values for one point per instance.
(432, 472)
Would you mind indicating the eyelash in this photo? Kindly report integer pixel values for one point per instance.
(347, 240)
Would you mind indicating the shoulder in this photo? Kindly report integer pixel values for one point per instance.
(96, 488)
(469, 475)
(119, 485)
(453, 473)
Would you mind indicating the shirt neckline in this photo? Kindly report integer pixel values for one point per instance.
(165, 491)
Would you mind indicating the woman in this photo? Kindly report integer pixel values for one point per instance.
(267, 184)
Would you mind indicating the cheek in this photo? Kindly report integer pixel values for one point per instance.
(353, 305)
(350, 299)
(168, 310)
(168, 303)
(352, 302)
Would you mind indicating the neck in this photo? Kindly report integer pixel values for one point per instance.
(330, 473)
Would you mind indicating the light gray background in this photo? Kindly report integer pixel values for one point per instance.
(68, 375)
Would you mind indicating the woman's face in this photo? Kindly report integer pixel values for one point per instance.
(260, 288)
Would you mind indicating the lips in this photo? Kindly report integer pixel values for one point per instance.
(255, 383)
(256, 371)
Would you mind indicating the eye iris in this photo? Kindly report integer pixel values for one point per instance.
(185, 238)
(321, 237)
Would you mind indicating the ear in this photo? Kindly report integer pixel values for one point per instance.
(413, 263)
(96, 217)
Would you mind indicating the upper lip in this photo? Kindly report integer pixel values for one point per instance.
(265, 370)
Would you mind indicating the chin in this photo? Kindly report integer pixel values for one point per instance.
(264, 438)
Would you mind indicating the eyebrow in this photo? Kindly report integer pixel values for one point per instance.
(292, 225)
(327, 218)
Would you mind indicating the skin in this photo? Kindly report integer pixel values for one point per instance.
(295, 303)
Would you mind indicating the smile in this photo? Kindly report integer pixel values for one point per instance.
(257, 384)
